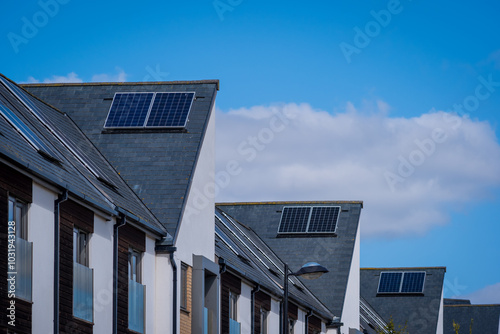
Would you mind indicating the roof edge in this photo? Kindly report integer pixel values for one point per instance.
(402, 268)
(138, 83)
(473, 305)
(288, 202)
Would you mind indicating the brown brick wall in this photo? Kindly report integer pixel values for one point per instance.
(12, 183)
(185, 325)
(71, 215)
(128, 237)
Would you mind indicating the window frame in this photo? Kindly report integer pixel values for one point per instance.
(264, 322)
(184, 287)
(233, 305)
(81, 247)
(21, 222)
(132, 253)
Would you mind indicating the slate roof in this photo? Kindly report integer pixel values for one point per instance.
(419, 312)
(69, 172)
(158, 165)
(485, 318)
(333, 252)
(370, 320)
(249, 257)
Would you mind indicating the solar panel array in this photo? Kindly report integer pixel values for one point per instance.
(77, 148)
(150, 110)
(309, 219)
(27, 133)
(401, 282)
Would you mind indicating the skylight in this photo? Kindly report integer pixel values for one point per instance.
(26, 132)
(149, 110)
(309, 219)
(401, 282)
(71, 144)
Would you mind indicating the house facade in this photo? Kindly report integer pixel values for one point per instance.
(326, 232)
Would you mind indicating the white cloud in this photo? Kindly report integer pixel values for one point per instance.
(120, 76)
(293, 152)
(69, 78)
(487, 295)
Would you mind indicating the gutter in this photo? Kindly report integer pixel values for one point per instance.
(252, 311)
(121, 222)
(57, 246)
(308, 315)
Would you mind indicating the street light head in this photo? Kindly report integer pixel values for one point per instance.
(311, 270)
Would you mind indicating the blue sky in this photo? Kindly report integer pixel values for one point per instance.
(344, 100)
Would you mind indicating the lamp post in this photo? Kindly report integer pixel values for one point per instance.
(311, 270)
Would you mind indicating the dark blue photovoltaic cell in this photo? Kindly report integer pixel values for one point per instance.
(129, 110)
(323, 219)
(294, 219)
(170, 110)
(413, 282)
(390, 282)
(25, 131)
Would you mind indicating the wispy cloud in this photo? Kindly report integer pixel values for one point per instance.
(487, 295)
(69, 78)
(319, 156)
(120, 76)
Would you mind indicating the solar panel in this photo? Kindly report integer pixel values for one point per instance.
(170, 110)
(390, 282)
(129, 110)
(150, 110)
(401, 282)
(309, 219)
(27, 133)
(323, 219)
(294, 219)
(413, 282)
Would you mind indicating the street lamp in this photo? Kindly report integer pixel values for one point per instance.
(311, 270)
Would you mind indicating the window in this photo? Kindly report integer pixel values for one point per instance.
(401, 282)
(263, 321)
(136, 292)
(80, 249)
(291, 324)
(134, 266)
(234, 325)
(83, 277)
(17, 213)
(184, 286)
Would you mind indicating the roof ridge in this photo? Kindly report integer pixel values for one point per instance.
(288, 202)
(400, 268)
(125, 83)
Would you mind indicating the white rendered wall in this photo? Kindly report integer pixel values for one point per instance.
(273, 319)
(196, 233)
(300, 324)
(163, 294)
(350, 312)
(148, 279)
(440, 324)
(101, 260)
(245, 308)
(41, 233)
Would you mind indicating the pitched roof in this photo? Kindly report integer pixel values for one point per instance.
(157, 164)
(419, 311)
(73, 152)
(333, 252)
(482, 318)
(249, 257)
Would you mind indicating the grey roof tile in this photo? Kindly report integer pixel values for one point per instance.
(335, 253)
(158, 166)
